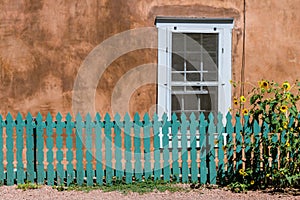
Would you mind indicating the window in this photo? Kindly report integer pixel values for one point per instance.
(194, 65)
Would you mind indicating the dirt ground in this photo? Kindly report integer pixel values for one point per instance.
(46, 192)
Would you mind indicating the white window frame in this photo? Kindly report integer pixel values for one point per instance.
(166, 26)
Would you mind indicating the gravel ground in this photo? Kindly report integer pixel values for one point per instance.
(46, 192)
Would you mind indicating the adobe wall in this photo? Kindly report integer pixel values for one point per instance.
(43, 44)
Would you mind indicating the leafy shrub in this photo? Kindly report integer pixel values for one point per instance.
(274, 106)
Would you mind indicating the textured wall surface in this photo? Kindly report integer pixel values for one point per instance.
(43, 43)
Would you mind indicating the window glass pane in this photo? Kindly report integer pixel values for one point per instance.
(178, 42)
(177, 77)
(191, 102)
(210, 76)
(209, 102)
(177, 62)
(193, 42)
(177, 88)
(193, 77)
(210, 42)
(210, 61)
(176, 103)
(193, 61)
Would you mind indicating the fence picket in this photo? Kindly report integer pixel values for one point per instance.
(147, 150)
(59, 145)
(247, 142)
(29, 148)
(20, 145)
(98, 146)
(89, 153)
(229, 146)
(118, 146)
(10, 149)
(79, 156)
(256, 132)
(265, 136)
(221, 153)
(137, 147)
(211, 144)
(108, 149)
(165, 143)
(127, 132)
(49, 144)
(40, 148)
(184, 151)
(156, 144)
(238, 143)
(193, 139)
(202, 130)
(1, 152)
(175, 165)
(69, 145)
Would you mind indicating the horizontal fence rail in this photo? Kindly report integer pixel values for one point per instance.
(102, 150)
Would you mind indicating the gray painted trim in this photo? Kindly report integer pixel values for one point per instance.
(160, 19)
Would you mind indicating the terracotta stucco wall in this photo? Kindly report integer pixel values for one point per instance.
(43, 44)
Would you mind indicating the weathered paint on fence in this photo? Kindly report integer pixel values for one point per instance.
(186, 149)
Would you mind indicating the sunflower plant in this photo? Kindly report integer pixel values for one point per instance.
(274, 106)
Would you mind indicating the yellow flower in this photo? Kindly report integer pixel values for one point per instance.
(263, 84)
(287, 144)
(241, 171)
(283, 108)
(286, 86)
(252, 182)
(245, 174)
(285, 125)
(245, 111)
(268, 175)
(243, 99)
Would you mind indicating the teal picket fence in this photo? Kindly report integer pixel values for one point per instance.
(86, 150)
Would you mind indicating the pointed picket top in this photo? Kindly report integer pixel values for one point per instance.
(78, 118)
(9, 118)
(127, 117)
(165, 117)
(107, 117)
(265, 127)
(202, 117)
(19, 117)
(183, 117)
(146, 119)
(39, 117)
(136, 117)
(49, 117)
(192, 117)
(88, 118)
(220, 122)
(237, 120)
(228, 118)
(117, 117)
(211, 117)
(29, 116)
(174, 117)
(69, 117)
(155, 117)
(97, 117)
(58, 117)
